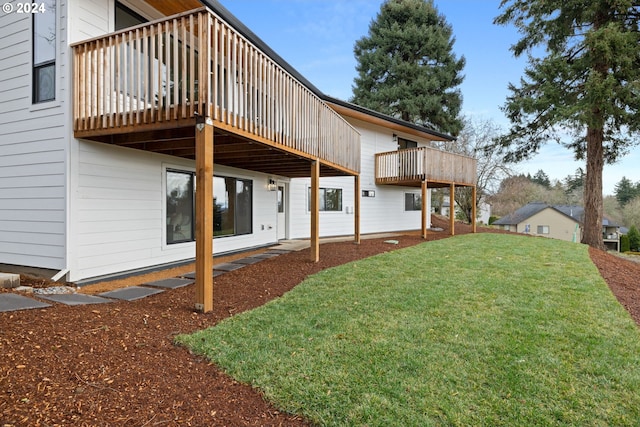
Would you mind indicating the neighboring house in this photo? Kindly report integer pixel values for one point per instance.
(106, 118)
(562, 222)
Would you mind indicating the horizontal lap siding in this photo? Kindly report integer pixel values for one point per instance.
(120, 212)
(33, 152)
(118, 206)
(382, 213)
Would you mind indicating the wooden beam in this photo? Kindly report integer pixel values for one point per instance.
(452, 209)
(356, 209)
(204, 215)
(424, 209)
(315, 211)
(473, 209)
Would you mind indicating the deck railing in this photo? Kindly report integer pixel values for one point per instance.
(164, 72)
(414, 165)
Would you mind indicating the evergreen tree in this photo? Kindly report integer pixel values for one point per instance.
(587, 84)
(634, 238)
(542, 178)
(406, 67)
(625, 191)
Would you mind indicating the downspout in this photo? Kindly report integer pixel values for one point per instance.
(60, 274)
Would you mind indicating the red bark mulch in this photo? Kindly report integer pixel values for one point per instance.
(116, 365)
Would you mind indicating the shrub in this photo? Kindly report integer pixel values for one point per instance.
(634, 238)
(493, 219)
(624, 243)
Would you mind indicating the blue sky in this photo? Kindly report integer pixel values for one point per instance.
(317, 36)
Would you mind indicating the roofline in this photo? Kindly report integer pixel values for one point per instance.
(224, 13)
(358, 112)
(395, 123)
(547, 206)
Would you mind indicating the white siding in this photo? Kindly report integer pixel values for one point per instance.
(120, 206)
(382, 213)
(90, 18)
(33, 150)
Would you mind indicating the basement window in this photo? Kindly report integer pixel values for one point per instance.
(412, 202)
(330, 199)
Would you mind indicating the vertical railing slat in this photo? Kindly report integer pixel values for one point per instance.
(175, 67)
(195, 62)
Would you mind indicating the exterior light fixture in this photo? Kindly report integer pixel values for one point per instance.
(271, 185)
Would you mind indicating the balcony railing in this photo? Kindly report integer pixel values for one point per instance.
(160, 74)
(414, 165)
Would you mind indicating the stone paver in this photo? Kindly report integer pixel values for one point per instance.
(192, 275)
(173, 283)
(76, 299)
(131, 293)
(227, 266)
(248, 260)
(12, 302)
(264, 256)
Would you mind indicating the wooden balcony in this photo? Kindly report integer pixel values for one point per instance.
(412, 166)
(144, 86)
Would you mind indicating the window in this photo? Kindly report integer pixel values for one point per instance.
(330, 199)
(180, 206)
(44, 54)
(543, 229)
(126, 17)
(232, 206)
(404, 144)
(412, 202)
(280, 199)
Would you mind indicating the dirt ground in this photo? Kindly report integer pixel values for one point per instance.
(115, 364)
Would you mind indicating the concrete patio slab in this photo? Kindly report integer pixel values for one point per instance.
(173, 283)
(227, 266)
(131, 293)
(12, 302)
(76, 299)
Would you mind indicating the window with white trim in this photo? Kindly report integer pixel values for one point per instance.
(232, 206)
(412, 201)
(543, 229)
(330, 199)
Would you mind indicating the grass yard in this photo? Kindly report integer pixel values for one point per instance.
(484, 329)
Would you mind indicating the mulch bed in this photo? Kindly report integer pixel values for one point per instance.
(116, 365)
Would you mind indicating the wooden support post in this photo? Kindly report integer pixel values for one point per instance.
(452, 209)
(356, 209)
(204, 214)
(315, 211)
(425, 205)
(473, 209)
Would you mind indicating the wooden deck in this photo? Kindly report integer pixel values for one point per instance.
(438, 168)
(144, 86)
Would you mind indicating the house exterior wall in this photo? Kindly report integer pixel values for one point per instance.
(560, 226)
(383, 213)
(120, 208)
(33, 149)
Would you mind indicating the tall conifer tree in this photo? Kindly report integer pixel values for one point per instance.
(586, 83)
(406, 66)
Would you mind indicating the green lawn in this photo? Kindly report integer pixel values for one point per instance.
(482, 330)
